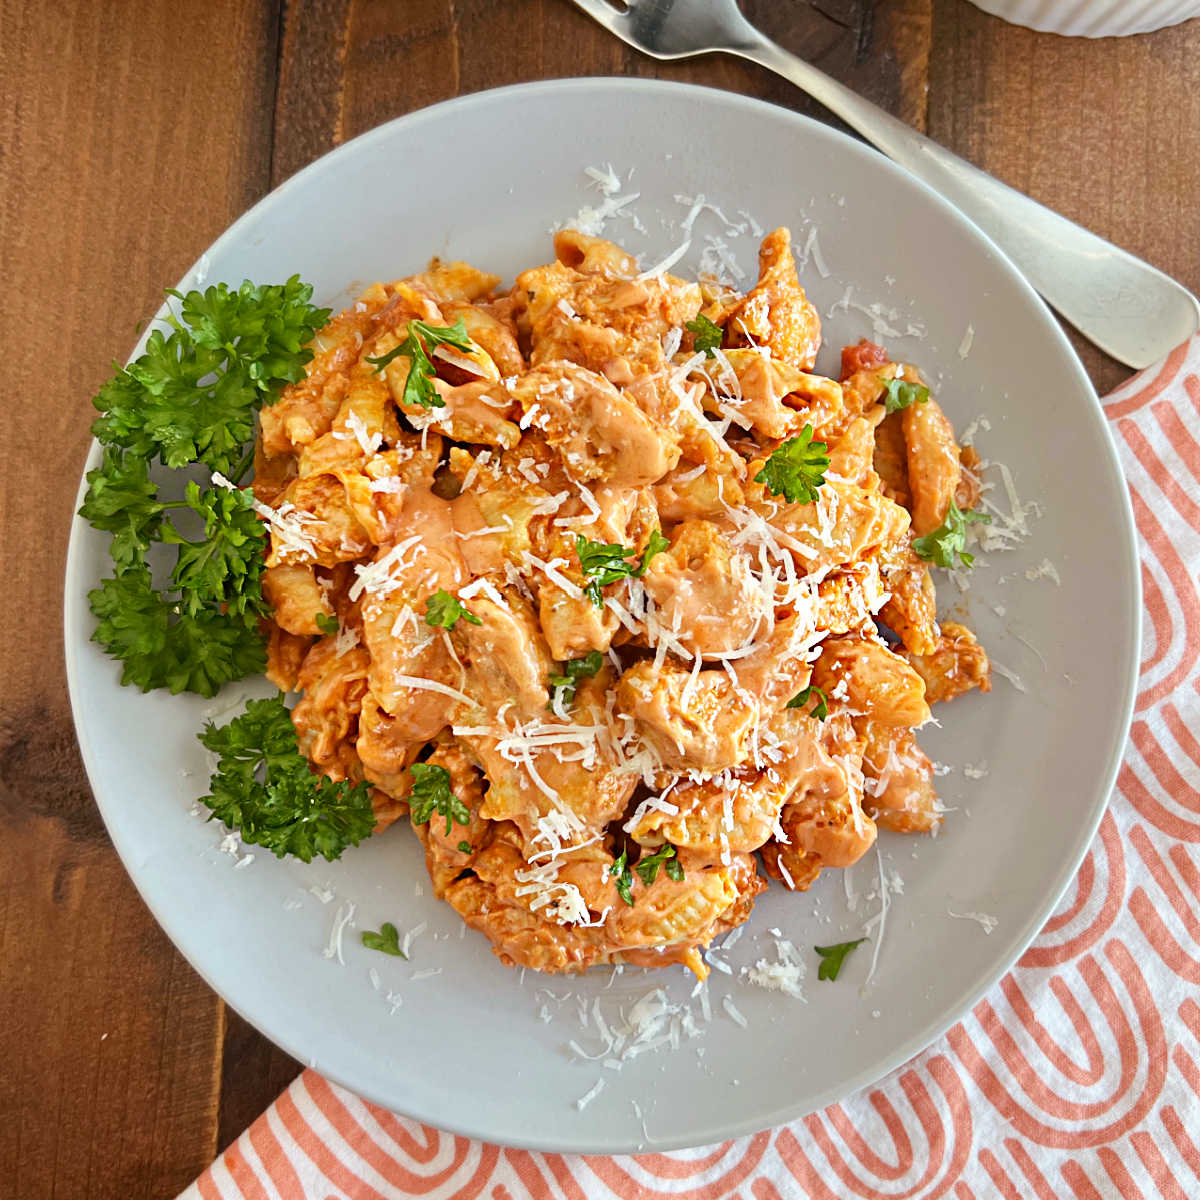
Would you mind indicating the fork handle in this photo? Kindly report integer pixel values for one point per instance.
(1127, 307)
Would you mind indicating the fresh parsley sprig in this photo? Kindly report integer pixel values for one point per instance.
(832, 958)
(565, 683)
(192, 395)
(431, 793)
(444, 611)
(420, 342)
(647, 866)
(624, 876)
(603, 563)
(950, 538)
(796, 469)
(706, 334)
(820, 710)
(386, 941)
(901, 394)
(264, 788)
(192, 398)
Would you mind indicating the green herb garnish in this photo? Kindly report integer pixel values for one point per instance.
(832, 957)
(327, 624)
(264, 788)
(950, 538)
(796, 469)
(607, 562)
(417, 347)
(901, 393)
(820, 710)
(707, 334)
(647, 866)
(431, 793)
(445, 611)
(387, 940)
(624, 877)
(564, 685)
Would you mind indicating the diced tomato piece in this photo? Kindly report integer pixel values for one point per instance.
(862, 357)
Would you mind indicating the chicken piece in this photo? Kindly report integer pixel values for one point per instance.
(572, 625)
(911, 612)
(456, 282)
(333, 686)
(490, 334)
(847, 599)
(507, 659)
(845, 524)
(285, 654)
(934, 469)
(737, 813)
(316, 523)
(899, 791)
(685, 495)
(776, 312)
(867, 677)
(957, 664)
(592, 255)
(701, 725)
(386, 750)
(599, 433)
(704, 589)
(296, 598)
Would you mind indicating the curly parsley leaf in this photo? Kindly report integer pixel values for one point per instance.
(950, 538)
(624, 877)
(160, 646)
(442, 610)
(263, 787)
(901, 394)
(417, 346)
(192, 395)
(603, 563)
(820, 710)
(832, 957)
(221, 571)
(431, 793)
(706, 334)
(647, 866)
(573, 671)
(122, 500)
(386, 941)
(796, 469)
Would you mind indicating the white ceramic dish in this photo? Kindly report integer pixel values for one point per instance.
(1093, 18)
(468, 1049)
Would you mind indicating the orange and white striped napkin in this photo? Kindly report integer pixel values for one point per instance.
(1077, 1076)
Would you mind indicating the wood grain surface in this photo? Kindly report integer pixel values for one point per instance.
(132, 135)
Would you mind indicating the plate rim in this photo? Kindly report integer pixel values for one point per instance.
(74, 597)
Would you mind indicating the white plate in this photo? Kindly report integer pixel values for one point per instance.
(484, 178)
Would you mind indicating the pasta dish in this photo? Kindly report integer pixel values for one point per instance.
(609, 597)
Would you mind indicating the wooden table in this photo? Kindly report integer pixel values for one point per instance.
(131, 136)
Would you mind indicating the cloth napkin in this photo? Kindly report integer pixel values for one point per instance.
(1077, 1076)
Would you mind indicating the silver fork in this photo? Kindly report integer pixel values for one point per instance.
(1125, 306)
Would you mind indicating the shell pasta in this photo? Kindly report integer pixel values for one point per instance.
(610, 598)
